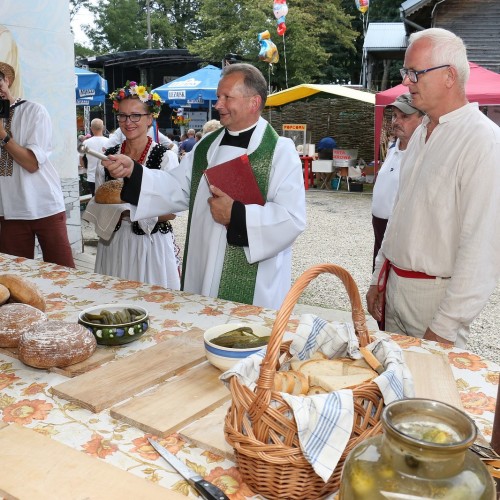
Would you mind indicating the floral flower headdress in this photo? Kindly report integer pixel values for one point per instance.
(143, 92)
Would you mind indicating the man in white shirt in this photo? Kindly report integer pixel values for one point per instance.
(233, 251)
(440, 251)
(31, 197)
(97, 143)
(405, 119)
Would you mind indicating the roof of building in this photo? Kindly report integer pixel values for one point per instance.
(411, 6)
(385, 37)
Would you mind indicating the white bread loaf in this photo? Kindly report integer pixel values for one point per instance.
(336, 374)
(23, 291)
(56, 343)
(109, 192)
(4, 294)
(16, 319)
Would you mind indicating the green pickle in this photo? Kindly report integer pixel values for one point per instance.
(120, 317)
(240, 338)
(412, 459)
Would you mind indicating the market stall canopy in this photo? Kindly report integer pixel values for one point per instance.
(308, 90)
(483, 87)
(90, 88)
(194, 88)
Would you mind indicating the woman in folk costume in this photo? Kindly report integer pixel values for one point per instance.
(143, 250)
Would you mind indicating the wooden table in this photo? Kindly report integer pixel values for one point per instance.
(108, 434)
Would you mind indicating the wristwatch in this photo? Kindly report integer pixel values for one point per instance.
(4, 141)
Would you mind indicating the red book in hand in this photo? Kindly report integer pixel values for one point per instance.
(237, 180)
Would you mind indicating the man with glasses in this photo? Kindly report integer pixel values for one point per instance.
(233, 251)
(31, 197)
(440, 259)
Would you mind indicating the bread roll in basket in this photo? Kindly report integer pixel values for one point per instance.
(109, 192)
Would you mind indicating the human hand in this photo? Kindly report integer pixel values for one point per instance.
(430, 335)
(374, 302)
(119, 166)
(220, 206)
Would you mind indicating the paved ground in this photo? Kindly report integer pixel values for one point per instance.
(339, 231)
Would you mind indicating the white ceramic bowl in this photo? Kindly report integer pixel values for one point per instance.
(225, 358)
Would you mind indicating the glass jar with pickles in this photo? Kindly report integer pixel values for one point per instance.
(422, 454)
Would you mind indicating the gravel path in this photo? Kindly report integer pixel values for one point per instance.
(339, 231)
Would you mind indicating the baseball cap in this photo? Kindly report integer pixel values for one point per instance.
(403, 103)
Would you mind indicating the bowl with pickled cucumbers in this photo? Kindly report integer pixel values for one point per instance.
(227, 344)
(115, 324)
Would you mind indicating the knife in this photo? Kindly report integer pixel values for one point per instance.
(207, 490)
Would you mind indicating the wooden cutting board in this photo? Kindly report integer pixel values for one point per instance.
(101, 355)
(35, 466)
(208, 433)
(175, 403)
(433, 378)
(121, 379)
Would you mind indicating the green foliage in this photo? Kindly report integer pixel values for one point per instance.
(322, 44)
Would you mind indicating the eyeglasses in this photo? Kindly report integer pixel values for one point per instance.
(134, 117)
(413, 75)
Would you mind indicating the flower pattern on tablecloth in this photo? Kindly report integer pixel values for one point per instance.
(25, 396)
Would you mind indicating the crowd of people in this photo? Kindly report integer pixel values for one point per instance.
(434, 209)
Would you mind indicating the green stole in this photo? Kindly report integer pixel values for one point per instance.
(238, 277)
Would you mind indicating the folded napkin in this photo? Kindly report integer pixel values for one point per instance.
(106, 216)
(325, 421)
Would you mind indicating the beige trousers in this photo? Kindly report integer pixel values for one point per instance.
(412, 303)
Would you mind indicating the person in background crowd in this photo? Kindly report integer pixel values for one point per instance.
(405, 119)
(187, 145)
(325, 148)
(210, 126)
(31, 198)
(198, 135)
(439, 261)
(233, 251)
(97, 143)
(143, 250)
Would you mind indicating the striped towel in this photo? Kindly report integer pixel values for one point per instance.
(325, 421)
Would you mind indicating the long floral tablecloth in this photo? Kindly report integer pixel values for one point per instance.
(25, 398)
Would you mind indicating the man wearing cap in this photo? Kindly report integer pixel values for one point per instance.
(405, 119)
(31, 198)
(440, 261)
(325, 148)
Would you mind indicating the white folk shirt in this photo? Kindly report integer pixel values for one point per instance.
(271, 228)
(386, 185)
(446, 221)
(26, 195)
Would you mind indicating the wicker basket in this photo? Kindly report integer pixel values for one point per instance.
(260, 425)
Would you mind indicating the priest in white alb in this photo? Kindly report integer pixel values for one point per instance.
(232, 251)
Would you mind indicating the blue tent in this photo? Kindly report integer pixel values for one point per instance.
(193, 89)
(90, 88)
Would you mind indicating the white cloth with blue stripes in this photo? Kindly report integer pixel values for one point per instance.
(325, 421)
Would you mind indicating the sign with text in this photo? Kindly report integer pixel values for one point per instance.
(296, 132)
(344, 157)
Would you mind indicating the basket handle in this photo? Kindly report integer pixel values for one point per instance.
(265, 383)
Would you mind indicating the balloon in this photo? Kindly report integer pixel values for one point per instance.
(280, 9)
(362, 5)
(268, 51)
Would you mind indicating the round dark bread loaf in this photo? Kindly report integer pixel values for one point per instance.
(56, 343)
(16, 319)
(22, 290)
(109, 192)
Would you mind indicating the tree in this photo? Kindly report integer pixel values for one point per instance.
(233, 27)
(121, 25)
